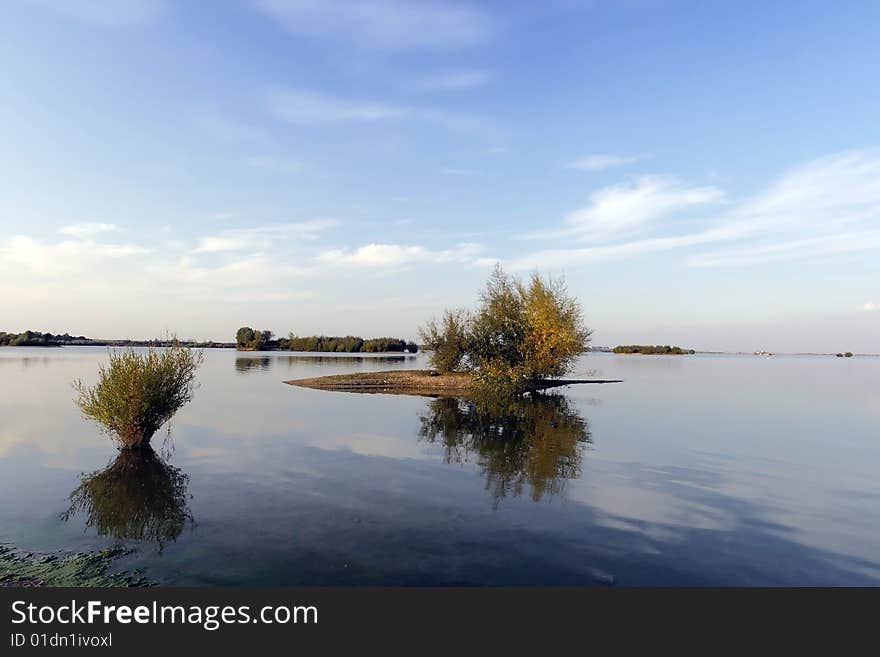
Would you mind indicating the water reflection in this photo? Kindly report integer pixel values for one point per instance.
(248, 364)
(534, 442)
(137, 496)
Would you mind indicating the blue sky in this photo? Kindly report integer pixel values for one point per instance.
(705, 174)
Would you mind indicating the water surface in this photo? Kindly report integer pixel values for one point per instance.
(696, 470)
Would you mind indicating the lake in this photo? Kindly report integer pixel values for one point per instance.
(696, 470)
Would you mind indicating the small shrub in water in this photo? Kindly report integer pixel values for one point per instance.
(139, 392)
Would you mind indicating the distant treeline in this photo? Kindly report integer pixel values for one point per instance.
(38, 339)
(247, 339)
(651, 349)
(350, 344)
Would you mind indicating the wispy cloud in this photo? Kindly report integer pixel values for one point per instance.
(812, 247)
(456, 80)
(871, 306)
(83, 230)
(602, 161)
(262, 237)
(623, 209)
(828, 207)
(106, 12)
(385, 25)
(47, 259)
(311, 107)
(398, 255)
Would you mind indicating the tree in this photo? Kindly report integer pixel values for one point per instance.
(139, 392)
(519, 332)
(244, 337)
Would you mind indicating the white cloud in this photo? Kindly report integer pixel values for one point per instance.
(398, 255)
(83, 230)
(388, 25)
(621, 209)
(456, 80)
(827, 207)
(112, 13)
(215, 244)
(311, 107)
(811, 247)
(602, 161)
(234, 278)
(43, 259)
(871, 306)
(262, 237)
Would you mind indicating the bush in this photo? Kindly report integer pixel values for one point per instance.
(137, 393)
(447, 341)
(848, 354)
(520, 332)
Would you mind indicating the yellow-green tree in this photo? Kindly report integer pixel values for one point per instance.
(519, 332)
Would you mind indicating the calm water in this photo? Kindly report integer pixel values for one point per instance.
(695, 470)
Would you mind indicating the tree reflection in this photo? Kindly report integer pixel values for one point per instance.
(251, 363)
(533, 442)
(138, 496)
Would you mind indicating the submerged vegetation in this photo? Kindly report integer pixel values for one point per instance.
(652, 349)
(520, 332)
(138, 496)
(89, 569)
(137, 393)
(531, 443)
(247, 339)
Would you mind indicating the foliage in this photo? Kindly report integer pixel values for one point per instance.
(383, 345)
(519, 332)
(651, 349)
(139, 392)
(848, 354)
(247, 339)
(138, 496)
(447, 340)
(518, 442)
(30, 339)
(349, 344)
(244, 337)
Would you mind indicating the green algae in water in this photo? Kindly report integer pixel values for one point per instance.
(89, 569)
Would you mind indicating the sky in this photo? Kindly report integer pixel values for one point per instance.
(701, 173)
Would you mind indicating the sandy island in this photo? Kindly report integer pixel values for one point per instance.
(418, 382)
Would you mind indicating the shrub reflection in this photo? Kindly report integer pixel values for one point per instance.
(138, 496)
(532, 443)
